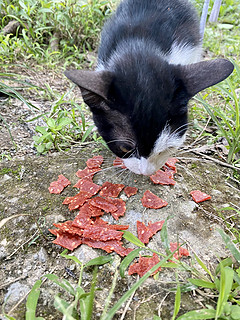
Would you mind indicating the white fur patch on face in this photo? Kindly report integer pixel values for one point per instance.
(184, 54)
(165, 145)
(139, 166)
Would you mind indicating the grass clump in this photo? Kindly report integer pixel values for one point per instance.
(51, 30)
(222, 104)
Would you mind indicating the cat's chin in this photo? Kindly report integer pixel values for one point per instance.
(140, 166)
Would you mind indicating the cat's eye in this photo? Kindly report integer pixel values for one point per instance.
(123, 149)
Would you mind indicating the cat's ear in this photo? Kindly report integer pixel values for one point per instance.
(204, 74)
(94, 85)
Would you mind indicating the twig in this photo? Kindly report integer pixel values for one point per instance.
(12, 281)
(161, 303)
(127, 306)
(22, 245)
(216, 160)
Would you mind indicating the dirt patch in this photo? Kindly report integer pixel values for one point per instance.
(27, 253)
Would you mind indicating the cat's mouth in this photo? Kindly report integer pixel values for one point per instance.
(148, 166)
(140, 166)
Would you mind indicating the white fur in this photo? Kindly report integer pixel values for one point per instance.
(165, 145)
(184, 54)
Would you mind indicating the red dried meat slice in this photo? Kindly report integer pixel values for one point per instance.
(111, 190)
(82, 220)
(199, 196)
(58, 186)
(104, 204)
(82, 182)
(150, 200)
(94, 162)
(130, 191)
(88, 186)
(118, 162)
(146, 232)
(79, 199)
(108, 246)
(171, 163)
(143, 265)
(54, 231)
(101, 233)
(67, 226)
(121, 208)
(117, 226)
(156, 226)
(163, 177)
(181, 251)
(87, 173)
(99, 222)
(67, 240)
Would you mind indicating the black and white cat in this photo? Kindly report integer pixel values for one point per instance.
(148, 69)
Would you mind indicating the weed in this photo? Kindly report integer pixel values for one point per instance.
(226, 113)
(72, 25)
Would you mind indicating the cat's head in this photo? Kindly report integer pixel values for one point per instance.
(141, 111)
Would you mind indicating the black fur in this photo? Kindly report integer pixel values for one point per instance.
(135, 92)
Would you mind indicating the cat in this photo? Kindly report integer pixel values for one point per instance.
(148, 69)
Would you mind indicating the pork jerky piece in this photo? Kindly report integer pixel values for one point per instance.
(58, 186)
(101, 233)
(130, 191)
(82, 221)
(111, 190)
(94, 162)
(78, 200)
(146, 232)
(107, 246)
(104, 204)
(121, 208)
(88, 186)
(181, 251)
(199, 196)
(66, 240)
(68, 227)
(171, 163)
(150, 200)
(163, 177)
(87, 173)
(143, 265)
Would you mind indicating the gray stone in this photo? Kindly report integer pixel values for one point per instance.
(15, 292)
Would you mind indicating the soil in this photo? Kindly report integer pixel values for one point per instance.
(28, 210)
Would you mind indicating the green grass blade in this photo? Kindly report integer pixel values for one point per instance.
(230, 245)
(64, 284)
(62, 306)
(98, 261)
(204, 266)
(73, 258)
(164, 236)
(202, 283)
(89, 306)
(226, 282)
(127, 260)
(131, 238)
(198, 315)
(177, 300)
(32, 301)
